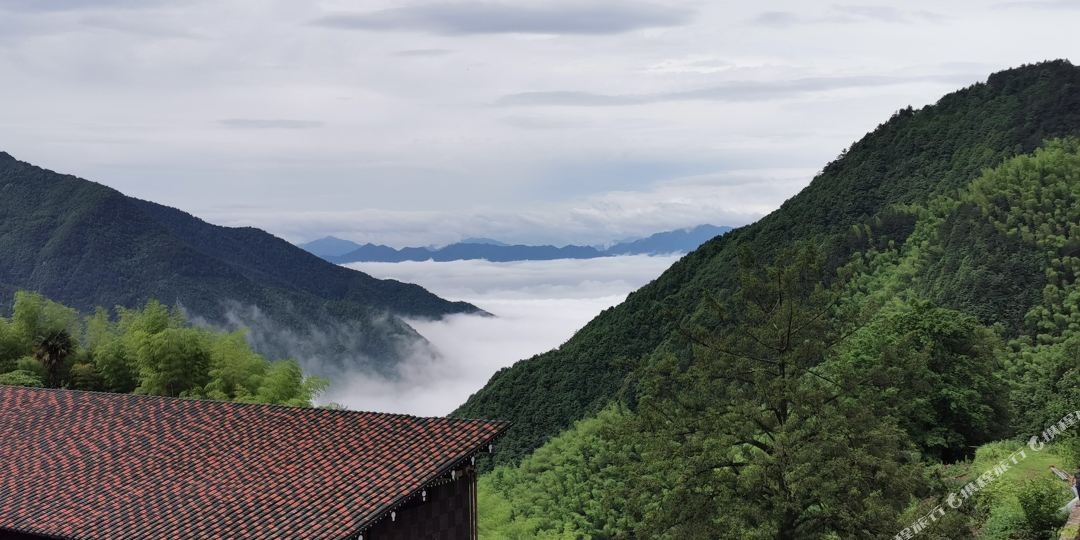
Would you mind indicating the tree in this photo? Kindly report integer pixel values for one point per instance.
(937, 371)
(12, 346)
(765, 443)
(85, 377)
(35, 316)
(114, 364)
(46, 330)
(171, 362)
(236, 371)
(578, 485)
(285, 383)
(52, 349)
(152, 350)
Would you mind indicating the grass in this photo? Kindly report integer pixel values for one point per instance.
(998, 500)
(1035, 466)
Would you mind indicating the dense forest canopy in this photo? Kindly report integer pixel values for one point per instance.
(913, 157)
(836, 370)
(811, 404)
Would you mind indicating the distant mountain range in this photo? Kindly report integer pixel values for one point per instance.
(341, 251)
(87, 245)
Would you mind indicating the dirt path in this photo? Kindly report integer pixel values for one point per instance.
(1072, 527)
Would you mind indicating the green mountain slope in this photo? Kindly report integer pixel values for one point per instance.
(925, 368)
(909, 159)
(87, 245)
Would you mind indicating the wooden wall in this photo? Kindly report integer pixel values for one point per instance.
(448, 514)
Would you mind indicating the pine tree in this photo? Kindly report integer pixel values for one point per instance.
(753, 420)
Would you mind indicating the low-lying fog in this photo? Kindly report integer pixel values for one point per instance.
(538, 306)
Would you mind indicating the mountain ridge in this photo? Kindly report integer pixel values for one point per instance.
(88, 245)
(909, 158)
(662, 243)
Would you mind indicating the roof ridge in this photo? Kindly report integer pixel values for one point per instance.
(78, 458)
(320, 410)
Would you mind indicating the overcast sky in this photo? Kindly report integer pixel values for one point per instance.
(419, 122)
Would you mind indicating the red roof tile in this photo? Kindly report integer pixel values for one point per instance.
(92, 466)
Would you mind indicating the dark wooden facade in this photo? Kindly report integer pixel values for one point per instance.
(447, 512)
(11, 535)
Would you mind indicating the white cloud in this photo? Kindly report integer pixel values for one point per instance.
(731, 198)
(402, 122)
(552, 18)
(538, 306)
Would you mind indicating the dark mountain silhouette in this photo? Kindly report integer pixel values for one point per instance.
(87, 245)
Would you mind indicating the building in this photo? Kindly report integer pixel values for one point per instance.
(95, 466)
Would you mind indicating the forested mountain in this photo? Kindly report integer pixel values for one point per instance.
(87, 245)
(926, 286)
(679, 241)
(910, 158)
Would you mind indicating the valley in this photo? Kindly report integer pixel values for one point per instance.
(535, 306)
(540, 270)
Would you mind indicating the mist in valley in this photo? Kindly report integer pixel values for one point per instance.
(537, 305)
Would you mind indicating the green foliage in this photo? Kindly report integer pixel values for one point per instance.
(1035, 200)
(938, 370)
(35, 316)
(952, 321)
(108, 352)
(44, 328)
(573, 487)
(997, 512)
(86, 377)
(171, 361)
(30, 364)
(1044, 382)
(913, 159)
(1005, 523)
(21, 377)
(764, 440)
(979, 269)
(87, 245)
(1040, 501)
(1068, 446)
(153, 350)
(955, 524)
(284, 383)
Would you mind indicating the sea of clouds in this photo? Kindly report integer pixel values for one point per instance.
(538, 305)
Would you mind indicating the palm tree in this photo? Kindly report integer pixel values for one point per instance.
(53, 348)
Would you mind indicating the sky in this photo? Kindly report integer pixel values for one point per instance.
(537, 305)
(422, 122)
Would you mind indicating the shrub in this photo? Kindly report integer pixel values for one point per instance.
(1040, 501)
(21, 378)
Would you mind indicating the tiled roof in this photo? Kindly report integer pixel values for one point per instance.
(89, 465)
